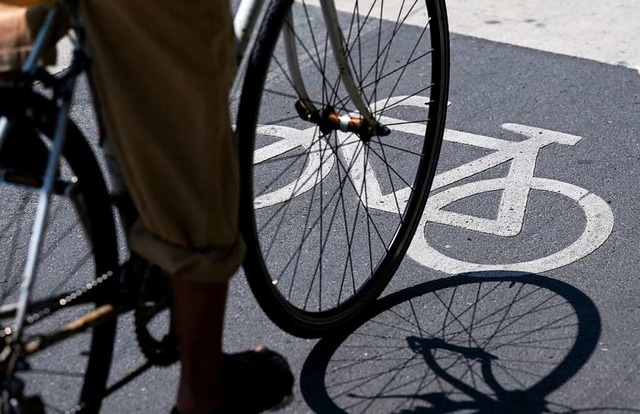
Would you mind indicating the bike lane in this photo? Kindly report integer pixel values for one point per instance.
(494, 85)
(384, 366)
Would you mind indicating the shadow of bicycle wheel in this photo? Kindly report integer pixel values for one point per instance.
(491, 342)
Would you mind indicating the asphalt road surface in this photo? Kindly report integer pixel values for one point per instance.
(545, 105)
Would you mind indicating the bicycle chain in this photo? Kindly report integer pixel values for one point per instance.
(33, 404)
(153, 296)
(69, 299)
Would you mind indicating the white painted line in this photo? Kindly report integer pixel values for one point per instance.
(318, 161)
(511, 213)
(515, 188)
(606, 31)
(599, 225)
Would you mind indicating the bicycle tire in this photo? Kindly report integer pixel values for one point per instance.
(95, 216)
(275, 259)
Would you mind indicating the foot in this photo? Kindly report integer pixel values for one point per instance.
(254, 381)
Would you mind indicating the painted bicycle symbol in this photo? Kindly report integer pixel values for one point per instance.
(515, 188)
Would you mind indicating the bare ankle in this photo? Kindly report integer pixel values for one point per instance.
(193, 405)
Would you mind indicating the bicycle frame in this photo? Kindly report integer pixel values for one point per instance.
(63, 87)
(64, 92)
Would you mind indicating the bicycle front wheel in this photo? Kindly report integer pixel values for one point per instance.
(328, 215)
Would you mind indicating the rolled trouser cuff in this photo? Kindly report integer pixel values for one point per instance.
(206, 265)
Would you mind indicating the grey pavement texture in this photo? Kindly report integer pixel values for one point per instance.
(573, 330)
(567, 340)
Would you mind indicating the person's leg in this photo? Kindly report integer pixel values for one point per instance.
(197, 305)
(163, 77)
(163, 71)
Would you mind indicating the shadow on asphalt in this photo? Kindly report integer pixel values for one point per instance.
(491, 342)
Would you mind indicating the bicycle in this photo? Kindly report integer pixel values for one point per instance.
(52, 158)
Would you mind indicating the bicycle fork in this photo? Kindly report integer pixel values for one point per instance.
(364, 124)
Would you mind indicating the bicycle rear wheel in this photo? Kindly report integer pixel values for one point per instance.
(327, 215)
(79, 246)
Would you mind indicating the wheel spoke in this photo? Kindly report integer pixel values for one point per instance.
(332, 213)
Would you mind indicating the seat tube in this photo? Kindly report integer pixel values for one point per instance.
(338, 47)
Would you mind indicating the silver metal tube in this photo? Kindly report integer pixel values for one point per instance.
(39, 227)
(243, 24)
(31, 63)
(4, 127)
(292, 63)
(337, 45)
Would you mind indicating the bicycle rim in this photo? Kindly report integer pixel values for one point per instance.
(328, 216)
(79, 245)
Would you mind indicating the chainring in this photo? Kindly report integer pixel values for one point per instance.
(160, 348)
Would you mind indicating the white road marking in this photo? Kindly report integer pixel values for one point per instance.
(605, 31)
(515, 194)
(515, 189)
(599, 224)
(318, 155)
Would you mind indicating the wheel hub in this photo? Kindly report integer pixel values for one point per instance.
(329, 120)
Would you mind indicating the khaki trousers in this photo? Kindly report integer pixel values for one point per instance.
(163, 70)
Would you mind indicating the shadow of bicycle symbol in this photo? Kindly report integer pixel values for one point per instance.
(489, 343)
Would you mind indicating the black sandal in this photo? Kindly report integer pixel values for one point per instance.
(254, 381)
